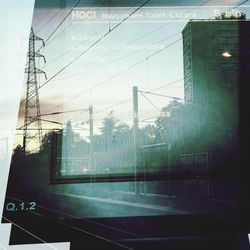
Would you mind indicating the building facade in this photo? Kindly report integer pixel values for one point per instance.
(216, 58)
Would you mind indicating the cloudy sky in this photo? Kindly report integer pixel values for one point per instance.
(145, 50)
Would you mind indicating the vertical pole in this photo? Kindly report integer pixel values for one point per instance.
(91, 133)
(135, 137)
(54, 150)
(169, 170)
(144, 173)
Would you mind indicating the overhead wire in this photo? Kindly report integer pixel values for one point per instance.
(93, 34)
(151, 102)
(192, 10)
(48, 21)
(104, 35)
(164, 39)
(117, 74)
(151, 93)
(107, 34)
(129, 99)
(166, 24)
(162, 26)
(61, 22)
(202, 3)
(92, 45)
(115, 60)
(74, 48)
(67, 27)
(149, 33)
(44, 16)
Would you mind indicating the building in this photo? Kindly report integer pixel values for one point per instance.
(216, 57)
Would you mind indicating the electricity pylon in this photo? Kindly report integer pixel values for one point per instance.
(32, 104)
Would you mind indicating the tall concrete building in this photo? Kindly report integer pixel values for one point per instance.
(216, 55)
(216, 68)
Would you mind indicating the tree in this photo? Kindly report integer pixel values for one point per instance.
(18, 152)
(148, 134)
(169, 126)
(113, 146)
(46, 143)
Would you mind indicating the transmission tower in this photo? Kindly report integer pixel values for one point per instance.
(32, 104)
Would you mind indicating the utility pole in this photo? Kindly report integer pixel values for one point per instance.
(91, 133)
(91, 162)
(32, 104)
(135, 137)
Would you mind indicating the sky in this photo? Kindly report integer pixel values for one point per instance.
(145, 51)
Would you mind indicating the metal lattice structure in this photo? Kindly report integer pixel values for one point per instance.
(32, 104)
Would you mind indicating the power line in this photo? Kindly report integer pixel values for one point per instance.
(46, 14)
(109, 64)
(50, 121)
(71, 49)
(165, 47)
(101, 38)
(105, 36)
(135, 40)
(65, 29)
(149, 92)
(154, 30)
(48, 21)
(150, 118)
(60, 23)
(158, 29)
(54, 113)
(158, 52)
(164, 25)
(237, 5)
(63, 112)
(117, 74)
(150, 101)
(114, 28)
(172, 97)
(77, 116)
(168, 23)
(112, 106)
(59, 34)
(143, 36)
(129, 99)
(168, 84)
(143, 93)
(84, 41)
(115, 60)
(45, 129)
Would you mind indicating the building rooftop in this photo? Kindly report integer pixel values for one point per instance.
(232, 15)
